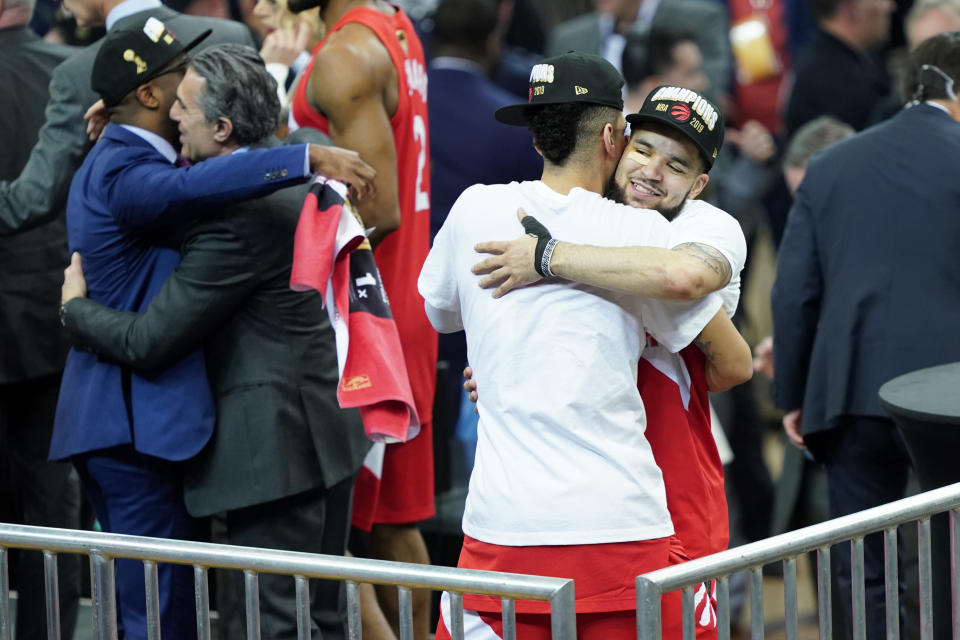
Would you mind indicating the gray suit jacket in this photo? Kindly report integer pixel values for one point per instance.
(706, 20)
(270, 355)
(31, 263)
(40, 192)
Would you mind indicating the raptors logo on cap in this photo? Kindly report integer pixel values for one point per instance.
(680, 112)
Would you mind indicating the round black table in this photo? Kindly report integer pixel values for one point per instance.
(925, 406)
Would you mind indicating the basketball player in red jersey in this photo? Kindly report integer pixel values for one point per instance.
(367, 88)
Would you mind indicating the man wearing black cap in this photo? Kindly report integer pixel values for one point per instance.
(123, 430)
(561, 420)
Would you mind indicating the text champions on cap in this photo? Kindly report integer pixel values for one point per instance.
(541, 73)
(703, 108)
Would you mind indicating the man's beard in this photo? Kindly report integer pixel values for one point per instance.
(613, 191)
(672, 212)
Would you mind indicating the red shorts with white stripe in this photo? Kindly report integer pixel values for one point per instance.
(396, 486)
(603, 575)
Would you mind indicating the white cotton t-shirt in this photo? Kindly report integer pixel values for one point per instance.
(561, 456)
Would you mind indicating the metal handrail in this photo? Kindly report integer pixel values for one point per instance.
(104, 547)
(788, 546)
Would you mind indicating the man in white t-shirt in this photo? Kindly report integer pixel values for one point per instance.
(565, 483)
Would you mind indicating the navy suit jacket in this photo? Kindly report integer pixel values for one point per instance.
(467, 145)
(868, 274)
(125, 203)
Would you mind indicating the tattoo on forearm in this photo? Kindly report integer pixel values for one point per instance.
(706, 347)
(710, 257)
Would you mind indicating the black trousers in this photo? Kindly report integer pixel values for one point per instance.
(41, 493)
(867, 466)
(315, 521)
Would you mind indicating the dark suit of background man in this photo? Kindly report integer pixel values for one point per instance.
(840, 71)
(32, 347)
(868, 288)
(39, 192)
(283, 455)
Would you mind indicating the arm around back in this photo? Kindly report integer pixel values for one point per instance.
(177, 195)
(217, 272)
(686, 272)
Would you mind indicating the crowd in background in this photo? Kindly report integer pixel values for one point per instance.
(791, 76)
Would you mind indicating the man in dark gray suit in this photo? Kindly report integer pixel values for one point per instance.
(283, 455)
(604, 32)
(40, 192)
(31, 358)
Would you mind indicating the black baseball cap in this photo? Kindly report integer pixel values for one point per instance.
(687, 111)
(569, 77)
(131, 56)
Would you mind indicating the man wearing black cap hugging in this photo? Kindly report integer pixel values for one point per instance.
(124, 431)
(565, 483)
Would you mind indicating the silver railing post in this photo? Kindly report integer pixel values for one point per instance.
(103, 596)
(6, 626)
(892, 582)
(648, 609)
(563, 613)
(354, 623)
(825, 592)
(201, 592)
(723, 608)
(151, 584)
(456, 616)
(509, 610)
(955, 569)
(251, 599)
(405, 603)
(756, 603)
(926, 579)
(304, 621)
(51, 587)
(858, 595)
(790, 604)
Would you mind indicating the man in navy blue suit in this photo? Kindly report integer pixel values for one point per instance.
(125, 432)
(467, 145)
(868, 288)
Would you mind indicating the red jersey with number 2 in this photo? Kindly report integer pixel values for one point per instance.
(400, 256)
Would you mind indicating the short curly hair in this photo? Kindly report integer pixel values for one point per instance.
(561, 131)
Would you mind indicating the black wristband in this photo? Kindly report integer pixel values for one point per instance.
(538, 254)
(533, 227)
